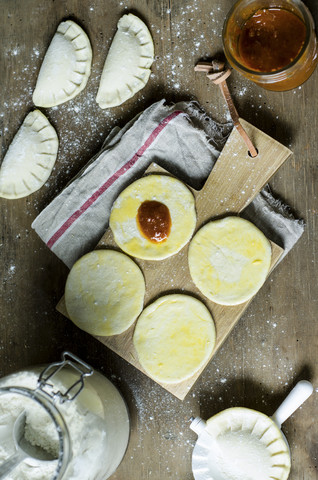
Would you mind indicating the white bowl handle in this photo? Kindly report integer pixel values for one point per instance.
(197, 425)
(294, 399)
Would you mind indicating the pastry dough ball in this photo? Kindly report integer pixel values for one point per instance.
(229, 260)
(66, 66)
(248, 445)
(165, 190)
(174, 337)
(104, 292)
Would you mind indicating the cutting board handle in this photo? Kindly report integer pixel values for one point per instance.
(237, 178)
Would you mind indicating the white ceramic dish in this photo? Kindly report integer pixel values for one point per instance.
(241, 443)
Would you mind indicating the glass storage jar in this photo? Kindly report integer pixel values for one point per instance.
(73, 412)
(298, 68)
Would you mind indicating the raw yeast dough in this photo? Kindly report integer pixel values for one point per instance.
(166, 190)
(66, 66)
(104, 292)
(30, 158)
(174, 337)
(127, 66)
(229, 260)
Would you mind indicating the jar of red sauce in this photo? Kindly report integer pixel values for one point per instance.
(271, 42)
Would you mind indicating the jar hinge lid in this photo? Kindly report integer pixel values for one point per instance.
(68, 360)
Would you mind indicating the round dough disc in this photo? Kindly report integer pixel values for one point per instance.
(174, 337)
(104, 292)
(161, 188)
(229, 260)
(246, 444)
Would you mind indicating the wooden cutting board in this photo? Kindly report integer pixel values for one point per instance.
(233, 183)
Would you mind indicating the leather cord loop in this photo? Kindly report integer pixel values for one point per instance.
(217, 72)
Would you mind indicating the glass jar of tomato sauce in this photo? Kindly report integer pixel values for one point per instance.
(271, 42)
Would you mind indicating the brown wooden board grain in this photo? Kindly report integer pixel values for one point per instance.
(231, 186)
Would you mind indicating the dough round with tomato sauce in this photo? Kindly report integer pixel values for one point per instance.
(162, 189)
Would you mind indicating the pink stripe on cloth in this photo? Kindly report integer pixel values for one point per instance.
(152, 137)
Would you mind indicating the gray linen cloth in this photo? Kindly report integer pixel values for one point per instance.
(180, 138)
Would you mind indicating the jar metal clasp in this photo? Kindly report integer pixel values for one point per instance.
(69, 360)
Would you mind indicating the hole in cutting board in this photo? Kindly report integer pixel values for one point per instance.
(250, 155)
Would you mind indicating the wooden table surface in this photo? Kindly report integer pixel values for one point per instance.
(275, 342)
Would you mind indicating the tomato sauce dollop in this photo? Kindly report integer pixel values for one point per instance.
(154, 221)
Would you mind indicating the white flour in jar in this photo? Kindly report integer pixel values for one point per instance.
(86, 432)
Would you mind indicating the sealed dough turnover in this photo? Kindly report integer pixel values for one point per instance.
(127, 66)
(66, 66)
(104, 292)
(30, 158)
(229, 260)
(157, 189)
(174, 337)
